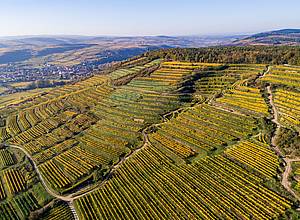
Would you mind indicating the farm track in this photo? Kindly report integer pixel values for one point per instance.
(291, 65)
(71, 197)
(285, 176)
(274, 120)
(89, 189)
(48, 189)
(288, 161)
(265, 72)
(45, 207)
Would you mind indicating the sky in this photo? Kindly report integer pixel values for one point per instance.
(146, 17)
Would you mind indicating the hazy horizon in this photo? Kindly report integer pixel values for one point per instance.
(103, 35)
(145, 18)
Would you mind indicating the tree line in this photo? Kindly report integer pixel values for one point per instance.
(247, 54)
(44, 84)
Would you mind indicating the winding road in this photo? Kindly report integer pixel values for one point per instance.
(288, 161)
(48, 189)
(285, 176)
(276, 121)
(71, 197)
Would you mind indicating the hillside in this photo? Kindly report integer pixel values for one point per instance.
(55, 60)
(72, 50)
(51, 60)
(278, 37)
(156, 138)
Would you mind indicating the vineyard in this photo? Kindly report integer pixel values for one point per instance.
(204, 128)
(226, 78)
(152, 139)
(59, 210)
(288, 103)
(20, 189)
(6, 158)
(151, 185)
(246, 98)
(255, 155)
(284, 75)
(295, 175)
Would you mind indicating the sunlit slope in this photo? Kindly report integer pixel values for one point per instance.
(152, 139)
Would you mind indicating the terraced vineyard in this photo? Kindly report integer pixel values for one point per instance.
(152, 139)
(226, 77)
(151, 185)
(288, 103)
(59, 210)
(283, 75)
(204, 129)
(256, 155)
(295, 173)
(246, 98)
(21, 191)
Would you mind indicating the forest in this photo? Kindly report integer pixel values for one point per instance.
(250, 54)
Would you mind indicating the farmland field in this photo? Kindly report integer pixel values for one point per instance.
(153, 139)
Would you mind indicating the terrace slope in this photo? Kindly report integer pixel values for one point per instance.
(153, 139)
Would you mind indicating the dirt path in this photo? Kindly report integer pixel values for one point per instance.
(42, 209)
(291, 65)
(71, 197)
(265, 72)
(288, 161)
(48, 189)
(276, 121)
(84, 191)
(146, 143)
(285, 176)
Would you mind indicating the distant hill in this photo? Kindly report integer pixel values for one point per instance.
(42, 41)
(64, 50)
(73, 50)
(278, 37)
